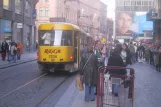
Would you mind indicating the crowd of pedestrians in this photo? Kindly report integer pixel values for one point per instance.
(114, 54)
(11, 51)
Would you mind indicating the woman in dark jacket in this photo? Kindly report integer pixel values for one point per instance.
(128, 55)
(159, 65)
(116, 60)
(89, 73)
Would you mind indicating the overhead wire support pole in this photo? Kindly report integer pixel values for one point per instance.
(78, 12)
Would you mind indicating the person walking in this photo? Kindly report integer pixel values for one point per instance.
(9, 52)
(116, 60)
(19, 50)
(132, 52)
(4, 48)
(159, 65)
(13, 51)
(89, 73)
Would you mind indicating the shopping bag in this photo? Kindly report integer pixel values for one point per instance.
(79, 83)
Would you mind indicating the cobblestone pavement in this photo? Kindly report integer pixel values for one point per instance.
(15, 94)
(25, 56)
(147, 86)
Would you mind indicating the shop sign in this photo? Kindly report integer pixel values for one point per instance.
(19, 25)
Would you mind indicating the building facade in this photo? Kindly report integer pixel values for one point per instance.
(103, 18)
(17, 22)
(134, 5)
(79, 12)
(155, 16)
(109, 29)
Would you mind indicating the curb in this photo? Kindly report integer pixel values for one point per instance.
(18, 63)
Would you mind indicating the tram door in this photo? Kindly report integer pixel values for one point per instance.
(76, 46)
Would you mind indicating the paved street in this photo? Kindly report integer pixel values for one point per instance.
(147, 90)
(24, 57)
(147, 86)
(20, 89)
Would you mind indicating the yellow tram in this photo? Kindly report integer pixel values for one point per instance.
(60, 46)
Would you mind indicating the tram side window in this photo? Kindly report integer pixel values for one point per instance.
(66, 38)
(76, 39)
(63, 38)
(85, 41)
(82, 39)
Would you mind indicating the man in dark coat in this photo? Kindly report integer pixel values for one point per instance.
(4, 48)
(90, 73)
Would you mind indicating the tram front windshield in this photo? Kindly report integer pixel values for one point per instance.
(55, 38)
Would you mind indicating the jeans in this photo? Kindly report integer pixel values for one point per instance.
(14, 58)
(89, 92)
(115, 88)
(18, 56)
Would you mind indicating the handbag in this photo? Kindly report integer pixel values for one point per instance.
(79, 79)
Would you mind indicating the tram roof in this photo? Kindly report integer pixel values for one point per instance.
(58, 26)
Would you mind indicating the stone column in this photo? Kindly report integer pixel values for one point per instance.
(1, 8)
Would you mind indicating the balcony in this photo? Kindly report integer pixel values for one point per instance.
(153, 14)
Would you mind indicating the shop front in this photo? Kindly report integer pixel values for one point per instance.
(5, 30)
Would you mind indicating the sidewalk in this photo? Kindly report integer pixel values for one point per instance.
(74, 98)
(28, 56)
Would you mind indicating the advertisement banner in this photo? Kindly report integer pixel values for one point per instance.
(7, 26)
(125, 24)
(131, 24)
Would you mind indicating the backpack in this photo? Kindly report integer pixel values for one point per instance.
(15, 51)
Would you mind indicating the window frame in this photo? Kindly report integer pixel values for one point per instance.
(7, 7)
(46, 12)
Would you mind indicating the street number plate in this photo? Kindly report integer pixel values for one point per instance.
(52, 56)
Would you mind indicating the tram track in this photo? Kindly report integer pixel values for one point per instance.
(2, 67)
(18, 91)
(22, 86)
(51, 92)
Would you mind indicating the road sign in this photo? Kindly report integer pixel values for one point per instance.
(19, 25)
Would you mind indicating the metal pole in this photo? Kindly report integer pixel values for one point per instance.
(78, 13)
(23, 13)
(114, 23)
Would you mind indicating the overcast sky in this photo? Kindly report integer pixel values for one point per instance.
(110, 8)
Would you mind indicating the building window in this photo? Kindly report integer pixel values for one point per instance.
(27, 8)
(18, 6)
(44, 0)
(7, 4)
(41, 12)
(46, 12)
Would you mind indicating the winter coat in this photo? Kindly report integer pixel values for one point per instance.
(129, 56)
(123, 55)
(159, 59)
(156, 58)
(116, 60)
(90, 71)
(13, 47)
(132, 48)
(4, 47)
(100, 58)
(19, 48)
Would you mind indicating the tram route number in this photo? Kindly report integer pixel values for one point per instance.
(52, 56)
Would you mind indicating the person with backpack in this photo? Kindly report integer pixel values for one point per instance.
(13, 51)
